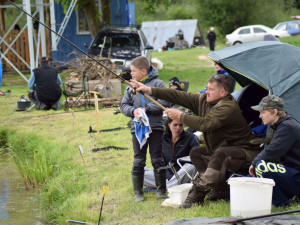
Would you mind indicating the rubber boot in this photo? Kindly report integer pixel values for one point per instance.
(160, 181)
(220, 193)
(138, 182)
(195, 196)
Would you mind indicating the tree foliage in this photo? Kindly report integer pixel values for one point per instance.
(227, 15)
(93, 17)
(151, 6)
(168, 10)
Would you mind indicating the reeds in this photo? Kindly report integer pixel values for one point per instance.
(31, 158)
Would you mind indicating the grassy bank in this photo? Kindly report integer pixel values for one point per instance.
(71, 190)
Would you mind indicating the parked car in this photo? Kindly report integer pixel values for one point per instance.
(252, 33)
(292, 27)
(121, 45)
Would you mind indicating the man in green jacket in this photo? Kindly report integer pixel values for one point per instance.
(225, 130)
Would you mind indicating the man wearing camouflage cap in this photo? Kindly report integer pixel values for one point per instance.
(280, 160)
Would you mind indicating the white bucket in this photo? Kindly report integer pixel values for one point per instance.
(177, 195)
(250, 196)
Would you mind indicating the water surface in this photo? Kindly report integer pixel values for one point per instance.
(17, 205)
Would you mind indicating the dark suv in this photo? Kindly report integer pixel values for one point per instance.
(121, 45)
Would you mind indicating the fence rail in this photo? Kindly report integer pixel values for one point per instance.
(20, 46)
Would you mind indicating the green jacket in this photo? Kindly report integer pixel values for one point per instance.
(221, 122)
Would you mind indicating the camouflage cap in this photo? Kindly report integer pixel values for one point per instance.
(270, 102)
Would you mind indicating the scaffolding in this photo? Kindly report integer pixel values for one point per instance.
(35, 43)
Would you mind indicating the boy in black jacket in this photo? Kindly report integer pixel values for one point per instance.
(280, 160)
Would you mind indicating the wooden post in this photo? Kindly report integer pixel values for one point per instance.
(2, 21)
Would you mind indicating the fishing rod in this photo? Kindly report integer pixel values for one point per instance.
(89, 56)
(256, 217)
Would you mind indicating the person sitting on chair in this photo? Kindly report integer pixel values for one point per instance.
(177, 143)
(45, 83)
(280, 160)
(176, 84)
(226, 133)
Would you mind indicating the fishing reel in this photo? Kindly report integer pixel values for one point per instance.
(131, 90)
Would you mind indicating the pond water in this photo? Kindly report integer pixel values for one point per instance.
(17, 205)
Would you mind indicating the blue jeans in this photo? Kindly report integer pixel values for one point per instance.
(287, 181)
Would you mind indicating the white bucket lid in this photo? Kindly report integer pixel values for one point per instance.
(236, 180)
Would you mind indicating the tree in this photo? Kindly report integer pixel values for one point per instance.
(93, 17)
(227, 15)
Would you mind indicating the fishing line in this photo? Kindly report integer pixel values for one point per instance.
(88, 55)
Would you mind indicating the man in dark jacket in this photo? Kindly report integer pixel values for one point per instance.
(131, 106)
(280, 160)
(226, 133)
(45, 83)
(211, 36)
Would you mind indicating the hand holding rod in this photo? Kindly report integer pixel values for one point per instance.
(88, 55)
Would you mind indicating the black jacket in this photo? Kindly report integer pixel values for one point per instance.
(182, 147)
(47, 89)
(211, 36)
(285, 144)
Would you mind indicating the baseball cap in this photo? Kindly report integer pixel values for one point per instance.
(174, 81)
(270, 102)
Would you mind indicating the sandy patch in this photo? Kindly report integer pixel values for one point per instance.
(205, 58)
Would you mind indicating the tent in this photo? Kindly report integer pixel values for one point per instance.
(158, 32)
(272, 65)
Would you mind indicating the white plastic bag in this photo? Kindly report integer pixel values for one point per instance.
(177, 195)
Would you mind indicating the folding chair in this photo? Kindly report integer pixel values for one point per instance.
(170, 166)
(185, 85)
(74, 94)
(186, 159)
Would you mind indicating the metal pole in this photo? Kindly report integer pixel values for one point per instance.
(53, 26)
(27, 9)
(42, 28)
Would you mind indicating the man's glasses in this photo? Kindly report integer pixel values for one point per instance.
(218, 78)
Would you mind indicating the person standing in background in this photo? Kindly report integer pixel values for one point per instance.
(211, 36)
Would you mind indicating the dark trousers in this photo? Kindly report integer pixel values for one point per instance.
(155, 149)
(212, 45)
(32, 95)
(287, 181)
(213, 167)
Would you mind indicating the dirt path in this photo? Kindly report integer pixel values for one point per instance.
(207, 60)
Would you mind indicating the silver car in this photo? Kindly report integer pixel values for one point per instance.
(252, 33)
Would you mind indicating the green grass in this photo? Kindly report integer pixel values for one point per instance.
(71, 190)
